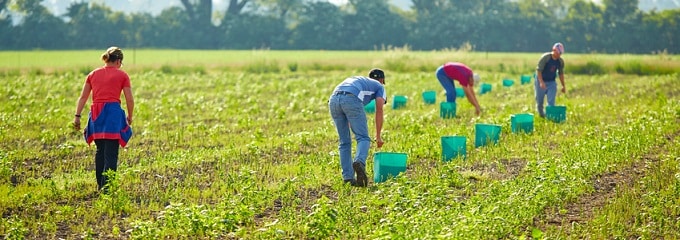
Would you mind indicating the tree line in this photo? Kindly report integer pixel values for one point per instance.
(615, 26)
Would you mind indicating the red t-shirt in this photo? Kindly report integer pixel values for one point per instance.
(107, 83)
(458, 71)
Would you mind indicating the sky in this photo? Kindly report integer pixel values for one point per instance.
(58, 7)
(155, 7)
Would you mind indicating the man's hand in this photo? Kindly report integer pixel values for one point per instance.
(379, 141)
(564, 89)
(542, 85)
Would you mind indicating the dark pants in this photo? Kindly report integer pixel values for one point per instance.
(105, 159)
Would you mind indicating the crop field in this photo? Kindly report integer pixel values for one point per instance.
(240, 144)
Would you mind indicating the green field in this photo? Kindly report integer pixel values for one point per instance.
(240, 144)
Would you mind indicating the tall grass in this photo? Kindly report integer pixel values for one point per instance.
(395, 59)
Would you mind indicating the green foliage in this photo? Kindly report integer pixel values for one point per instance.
(13, 228)
(293, 67)
(498, 26)
(84, 71)
(321, 222)
(640, 68)
(648, 209)
(262, 67)
(114, 200)
(167, 69)
(232, 154)
(180, 221)
(590, 68)
(11, 73)
(5, 166)
(316, 66)
(144, 230)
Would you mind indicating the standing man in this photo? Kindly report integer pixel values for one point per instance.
(347, 109)
(550, 64)
(447, 73)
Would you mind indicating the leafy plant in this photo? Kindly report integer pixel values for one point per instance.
(231, 153)
(321, 222)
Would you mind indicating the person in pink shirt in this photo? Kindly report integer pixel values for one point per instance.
(107, 124)
(450, 71)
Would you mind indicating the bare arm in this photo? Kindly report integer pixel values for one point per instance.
(379, 118)
(560, 70)
(539, 78)
(564, 87)
(84, 94)
(470, 95)
(130, 101)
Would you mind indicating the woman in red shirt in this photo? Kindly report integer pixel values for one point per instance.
(447, 73)
(107, 123)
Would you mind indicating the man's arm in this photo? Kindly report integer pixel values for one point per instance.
(379, 118)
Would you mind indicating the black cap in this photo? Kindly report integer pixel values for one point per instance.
(376, 73)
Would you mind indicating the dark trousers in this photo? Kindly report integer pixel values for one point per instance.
(105, 159)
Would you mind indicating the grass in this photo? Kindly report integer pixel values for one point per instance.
(14, 63)
(247, 149)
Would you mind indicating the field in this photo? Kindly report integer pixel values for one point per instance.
(240, 144)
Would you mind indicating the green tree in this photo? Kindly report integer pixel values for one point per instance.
(434, 27)
(248, 30)
(540, 25)
(373, 25)
(141, 30)
(427, 7)
(320, 27)
(583, 26)
(622, 23)
(618, 10)
(536, 9)
(39, 29)
(204, 33)
(661, 31)
(559, 7)
(91, 25)
(282, 8)
(497, 26)
(6, 28)
(173, 30)
(466, 6)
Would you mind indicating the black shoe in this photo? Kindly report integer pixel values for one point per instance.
(351, 182)
(359, 168)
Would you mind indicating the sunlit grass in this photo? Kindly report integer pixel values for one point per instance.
(251, 152)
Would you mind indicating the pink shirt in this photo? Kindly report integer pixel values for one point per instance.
(107, 83)
(458, 71)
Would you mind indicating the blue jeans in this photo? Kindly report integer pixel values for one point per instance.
(348, 114)
(550, 90)
(448, 84)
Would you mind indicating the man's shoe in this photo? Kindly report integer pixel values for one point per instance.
(360, 169)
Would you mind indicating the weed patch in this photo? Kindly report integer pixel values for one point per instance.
(590, 68)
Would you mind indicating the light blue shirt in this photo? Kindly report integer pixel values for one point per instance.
(364, 88)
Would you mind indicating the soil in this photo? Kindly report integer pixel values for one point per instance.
(605, 186)
(503, 169)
